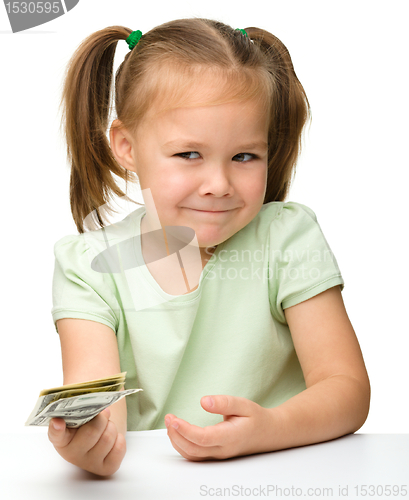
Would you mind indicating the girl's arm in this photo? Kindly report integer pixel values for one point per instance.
(90, 351)
(335, 403)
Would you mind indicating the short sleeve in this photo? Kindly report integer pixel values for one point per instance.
(301, 263)
(78, 291)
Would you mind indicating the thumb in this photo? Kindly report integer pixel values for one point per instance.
(227, 405)
(58, 433)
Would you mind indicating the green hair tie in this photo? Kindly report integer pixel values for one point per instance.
(133, 39)
(243, 31)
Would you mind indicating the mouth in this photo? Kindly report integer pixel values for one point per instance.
(210, 211)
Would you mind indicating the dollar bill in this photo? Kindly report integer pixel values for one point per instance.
(100, 382)
(79, 403)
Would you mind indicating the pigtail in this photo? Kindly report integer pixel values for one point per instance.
(290, 111)
(86, 101)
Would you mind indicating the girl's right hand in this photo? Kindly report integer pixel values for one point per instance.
(96, 446)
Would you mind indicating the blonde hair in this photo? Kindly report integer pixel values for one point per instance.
(160, 70)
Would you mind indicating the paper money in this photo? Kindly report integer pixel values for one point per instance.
(100, 382)
(79, 403)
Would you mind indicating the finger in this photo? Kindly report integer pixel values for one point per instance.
(114, 458)
(190, 450)
(105, 442)
(228, 405)
(168, 418)
(106, 412)
(210, 436)
(88, 435)
(111, 447)
(58, 433)
(182, 452)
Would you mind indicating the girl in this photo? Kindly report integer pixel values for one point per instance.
(215, 289)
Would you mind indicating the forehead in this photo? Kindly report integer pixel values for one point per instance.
(244, 122)
(199, 86)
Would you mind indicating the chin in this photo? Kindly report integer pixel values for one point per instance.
(211, 243)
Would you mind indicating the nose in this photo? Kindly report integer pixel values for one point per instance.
(217, 181)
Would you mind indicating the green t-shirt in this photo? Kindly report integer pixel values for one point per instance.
(229, 336)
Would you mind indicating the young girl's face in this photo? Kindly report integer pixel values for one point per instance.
(206, 167)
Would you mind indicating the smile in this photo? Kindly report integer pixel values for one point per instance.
(210, 211)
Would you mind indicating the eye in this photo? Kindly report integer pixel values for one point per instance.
(243, 155)
(182, 155)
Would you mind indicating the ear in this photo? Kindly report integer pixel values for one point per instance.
(121, 146)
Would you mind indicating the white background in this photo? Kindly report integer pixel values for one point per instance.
(352, 59)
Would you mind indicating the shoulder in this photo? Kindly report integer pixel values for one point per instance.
(293, 225)
(72, 250)
(95, 242)
(295, 237)
(282, 219)
(278, 220)
(276, 210)
(301, 261)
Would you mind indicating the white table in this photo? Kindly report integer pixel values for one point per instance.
(343, 468)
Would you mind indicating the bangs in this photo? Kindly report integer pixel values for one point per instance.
(176, 85)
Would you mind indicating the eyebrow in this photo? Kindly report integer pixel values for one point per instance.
(192, 145)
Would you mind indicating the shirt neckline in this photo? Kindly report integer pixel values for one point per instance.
(193, 295)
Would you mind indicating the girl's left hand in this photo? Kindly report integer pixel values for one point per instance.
(245, 430)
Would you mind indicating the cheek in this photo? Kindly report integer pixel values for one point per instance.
(255, 185)
(170, 190)
(177, 184)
